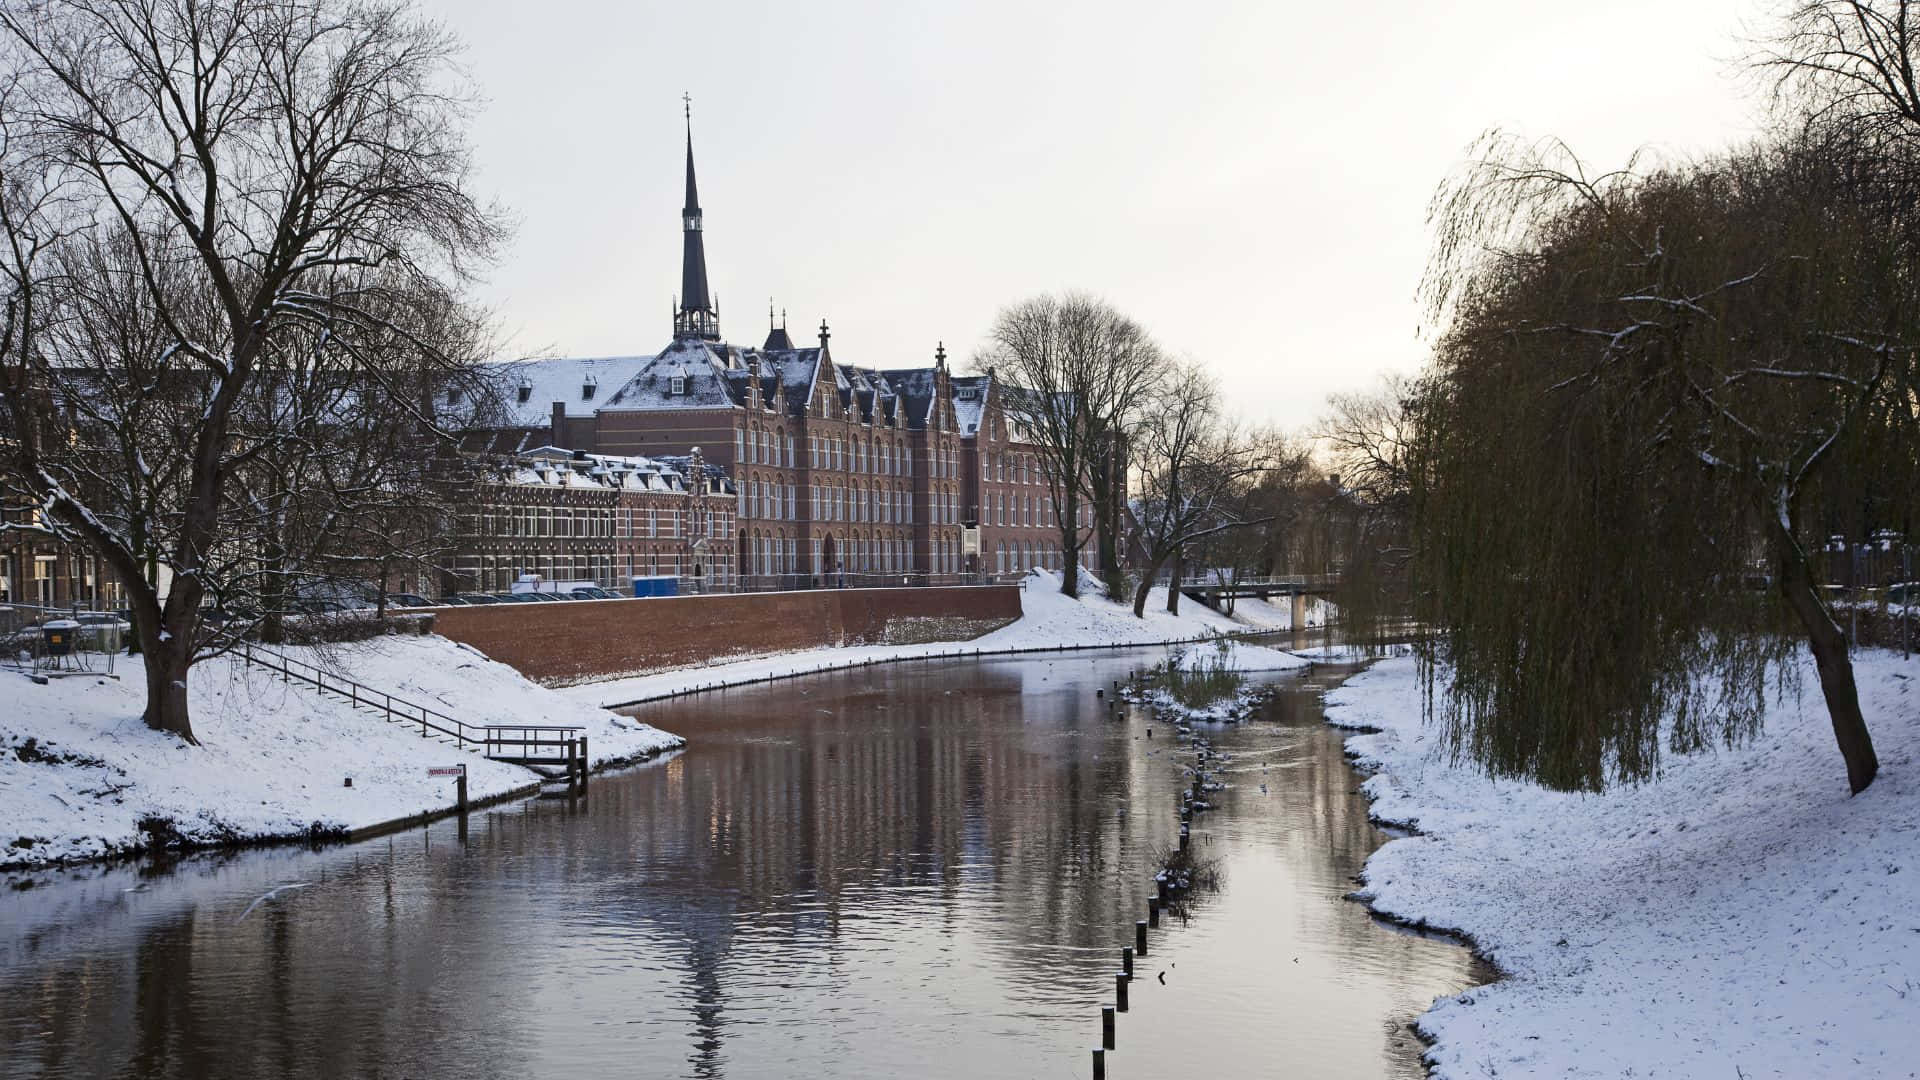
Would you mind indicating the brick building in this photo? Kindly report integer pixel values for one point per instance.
(38, 569)
(570, 516)
(1008, 498)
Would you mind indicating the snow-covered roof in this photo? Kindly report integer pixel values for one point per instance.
(528, 388)
(918, 390)
(554, 466)
(970, 401)
(704, 368)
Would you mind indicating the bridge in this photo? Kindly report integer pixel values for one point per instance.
(1296, 586)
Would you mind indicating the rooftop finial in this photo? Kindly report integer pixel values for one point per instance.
(940, 355)
(687, 100)
(769, 312)
(824, 335)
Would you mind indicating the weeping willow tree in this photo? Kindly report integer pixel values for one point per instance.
(1643, 393)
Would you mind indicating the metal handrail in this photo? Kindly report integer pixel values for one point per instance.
(396, 710)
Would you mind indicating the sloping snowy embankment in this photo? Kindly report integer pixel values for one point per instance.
(80, 772)
(1048, 620)
(1740, 918)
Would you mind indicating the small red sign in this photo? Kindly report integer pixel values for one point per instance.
(447, 770)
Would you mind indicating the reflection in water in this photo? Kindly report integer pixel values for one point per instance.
(918, 870)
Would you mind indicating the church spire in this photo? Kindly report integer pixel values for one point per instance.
(698, 316)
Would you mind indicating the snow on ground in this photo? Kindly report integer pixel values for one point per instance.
(1229, 655)
(1740, 918)
(1048, 620)
(79, 771)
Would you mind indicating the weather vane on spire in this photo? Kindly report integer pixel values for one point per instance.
(688, 100)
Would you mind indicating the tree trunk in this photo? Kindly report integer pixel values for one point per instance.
(1173, 582)
(1145, 587)
(1830, 658)
(167, 659)
(1069, 534)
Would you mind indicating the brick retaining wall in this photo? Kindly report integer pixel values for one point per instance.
(577, 641)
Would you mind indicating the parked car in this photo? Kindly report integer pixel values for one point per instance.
(1907, 592)
(455, 600)
(479, 598)
(512, 598)
(593, 592)
(407, 599)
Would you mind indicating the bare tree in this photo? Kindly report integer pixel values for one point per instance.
(1193, 469)
(1369, 438)
(265, 186)
(1079, 373)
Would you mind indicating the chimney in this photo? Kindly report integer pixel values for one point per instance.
(559, 423)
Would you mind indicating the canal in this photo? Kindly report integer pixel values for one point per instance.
(921, 870)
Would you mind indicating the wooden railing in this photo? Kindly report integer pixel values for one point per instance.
(431, 722)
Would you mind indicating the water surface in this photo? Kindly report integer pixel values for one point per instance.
(918, 870)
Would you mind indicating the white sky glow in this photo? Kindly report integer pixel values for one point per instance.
(1249, 180)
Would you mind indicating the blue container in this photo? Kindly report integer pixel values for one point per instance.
(656, 586)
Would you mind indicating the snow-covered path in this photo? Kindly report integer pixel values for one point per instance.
(1740, 918)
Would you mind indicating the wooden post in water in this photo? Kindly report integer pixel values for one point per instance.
(1126, 961)
(571, 780)
(1120, 992)
(1099, 1064)
(460, 789)
(1153, 912)
(584, 767)
(1106, 1029)
(1140, 938)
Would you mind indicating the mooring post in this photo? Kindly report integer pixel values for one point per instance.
(1120, 981)
(1106, 1028)
(460, 789)
(571, 778)
(584, 767)
(1126, 961)
(1140, 937)
(1099, 1064)
(1153, 913)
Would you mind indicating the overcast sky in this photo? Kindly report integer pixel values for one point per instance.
(1249, 180)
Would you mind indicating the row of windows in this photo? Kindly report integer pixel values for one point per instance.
(491, 574)
(880, 458)
(586, 522)
(1012, 468)
(1018, 557)
(1020, 510)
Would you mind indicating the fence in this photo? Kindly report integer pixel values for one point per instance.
(431, 723)
(60, 641)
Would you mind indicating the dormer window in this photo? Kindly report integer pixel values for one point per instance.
(677, 385)
(526, 391)
(588, 387)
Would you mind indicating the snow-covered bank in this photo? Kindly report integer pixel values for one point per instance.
(1741, 917)
(1048, 621)
(82, 777)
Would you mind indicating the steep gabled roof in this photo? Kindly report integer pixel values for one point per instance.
(970, 394)
(918, 389)
(703, 366)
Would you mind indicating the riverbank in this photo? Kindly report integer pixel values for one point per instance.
(1741, 917)
(81, 777)
(1049, 621)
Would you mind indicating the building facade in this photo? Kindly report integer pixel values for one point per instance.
(564, 516)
